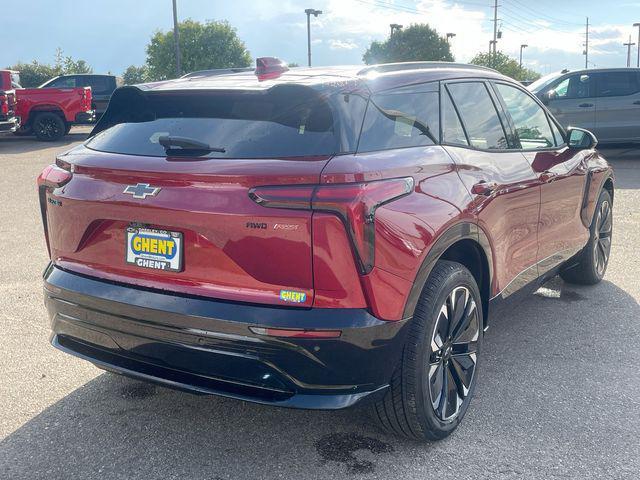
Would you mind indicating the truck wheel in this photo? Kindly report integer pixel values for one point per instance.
(48, 127)
(433, 385)
(593, 260)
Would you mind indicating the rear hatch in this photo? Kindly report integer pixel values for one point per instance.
(160, 197)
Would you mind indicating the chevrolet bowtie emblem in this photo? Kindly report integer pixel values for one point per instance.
(141, 190)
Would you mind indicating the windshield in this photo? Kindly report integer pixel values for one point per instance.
(283, 122)
(542, 82)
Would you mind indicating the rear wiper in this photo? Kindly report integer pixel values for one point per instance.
(186, 146)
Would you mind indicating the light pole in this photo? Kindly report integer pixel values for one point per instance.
(524, 45)
(629, 45)
(450, 35)
(638, 25)
(394, 27)
(176, 38)
(315, 13)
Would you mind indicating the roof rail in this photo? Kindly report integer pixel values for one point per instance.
(399, 66)
(216, 71)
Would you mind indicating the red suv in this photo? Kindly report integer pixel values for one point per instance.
(317, 238)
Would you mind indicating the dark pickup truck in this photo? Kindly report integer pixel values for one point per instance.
(48, 113)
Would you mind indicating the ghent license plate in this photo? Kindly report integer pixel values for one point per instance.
(154, 249)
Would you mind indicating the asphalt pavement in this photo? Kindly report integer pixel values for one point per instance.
(558, 392)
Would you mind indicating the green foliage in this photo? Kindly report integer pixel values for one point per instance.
(505, 65)
(133, 75)
(35, 73)
(418, 42)
(202, 46)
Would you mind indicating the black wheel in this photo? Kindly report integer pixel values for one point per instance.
(591, 264)
(48, 127)
(431, 389)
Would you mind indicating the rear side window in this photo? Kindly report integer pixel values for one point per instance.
(287, 121)
(452, 131)
(616, 84)
(399, 120)
(479, 115)
(532, 126)
(99, 84)
(65, 82)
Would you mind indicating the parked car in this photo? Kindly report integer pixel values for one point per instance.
(102, 86)
(48, 114)
(9, 121)
(318, 238)
(605, 101)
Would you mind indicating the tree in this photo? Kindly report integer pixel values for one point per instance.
(35, 73)
(133, 75)
(505, 65)
(418, 42)
(203, 46)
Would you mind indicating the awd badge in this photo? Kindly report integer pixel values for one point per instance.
(292, 296)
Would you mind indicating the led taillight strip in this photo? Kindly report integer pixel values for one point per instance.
(354, 203)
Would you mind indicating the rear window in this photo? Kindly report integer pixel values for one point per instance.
(99, 84)
(287, 121)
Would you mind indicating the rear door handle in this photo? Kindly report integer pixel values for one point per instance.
(547, 176)
(484, 188)
(586, 105)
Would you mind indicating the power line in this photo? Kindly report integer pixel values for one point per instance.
(544, 15)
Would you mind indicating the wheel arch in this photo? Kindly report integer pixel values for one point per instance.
(465, 243)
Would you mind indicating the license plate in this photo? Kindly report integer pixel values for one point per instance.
(154, 249)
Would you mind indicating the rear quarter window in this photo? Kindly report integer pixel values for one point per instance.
(400, 120)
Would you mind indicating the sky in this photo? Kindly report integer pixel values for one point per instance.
(112, 34)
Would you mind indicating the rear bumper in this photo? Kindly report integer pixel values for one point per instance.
(86, 117)
(9, 124)
(205, 346)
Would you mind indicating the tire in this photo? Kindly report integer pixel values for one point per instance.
(412, 407)
(48, 127)
(591, 263)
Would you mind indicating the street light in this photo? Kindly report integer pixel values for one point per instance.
(176, 39)
(450, 35)
(638, 25)
(315, 13)
(394, 27)
(524, 45)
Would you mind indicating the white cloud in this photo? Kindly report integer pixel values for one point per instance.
(336, 44)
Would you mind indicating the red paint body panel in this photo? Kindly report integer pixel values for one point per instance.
(69, 101)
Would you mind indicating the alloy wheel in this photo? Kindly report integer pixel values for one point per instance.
(453, 356)
(602, 243)
(48, 128)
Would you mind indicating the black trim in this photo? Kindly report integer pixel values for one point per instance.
(206, 346)
(460, 231)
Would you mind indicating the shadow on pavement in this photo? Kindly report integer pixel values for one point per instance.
(10, 143)
(550, 372)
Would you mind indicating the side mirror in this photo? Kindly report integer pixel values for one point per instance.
(581, 139)
(548, 96)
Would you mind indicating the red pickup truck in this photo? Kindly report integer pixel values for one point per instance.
(9, 121)
(48, 113)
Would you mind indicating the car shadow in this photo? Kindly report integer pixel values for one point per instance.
(10, 143)
(114, 427)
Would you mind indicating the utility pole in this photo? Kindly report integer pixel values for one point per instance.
(638, 25)
(586, 46)
(629, 45)
(176, 38)
(495, 25)
(315, 13)
(524, 45)
(395, 27)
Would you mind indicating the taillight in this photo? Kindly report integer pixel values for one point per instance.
(354, 203)
(55, 176)
(4, 105)
(295, 333)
